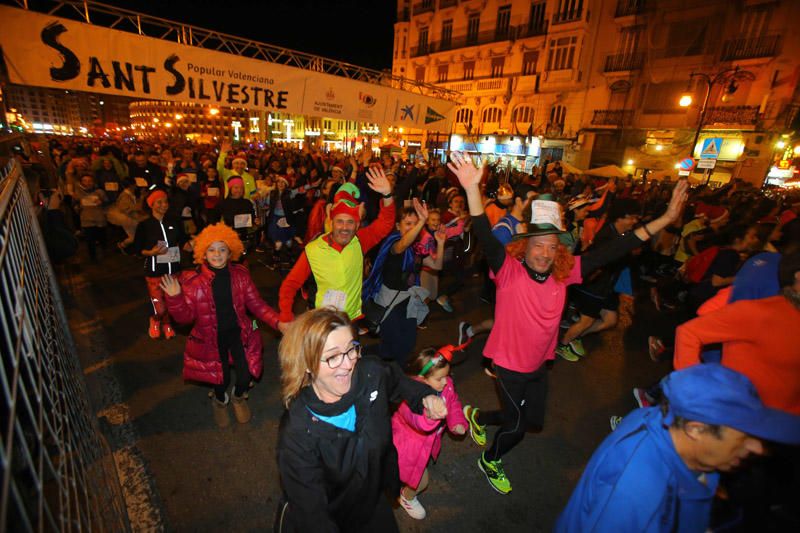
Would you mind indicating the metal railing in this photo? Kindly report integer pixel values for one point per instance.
(447, 3)
(425, 6)
(612, 117)
(485, 37)
(570, 15)
(750, 48)
(130, 21)
(58, 472)
(737, 114)
(621, 62)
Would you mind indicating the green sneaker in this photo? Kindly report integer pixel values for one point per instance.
(476, 431)
(577, 347)
(567, 353)
(495, 474)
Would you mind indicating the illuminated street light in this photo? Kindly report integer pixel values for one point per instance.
(178, 116)
(168, 124)
(213, 111)
(780, 145)
(630, 161)
(797, 150)
(659, 148)
(685, 101)
(155, 120)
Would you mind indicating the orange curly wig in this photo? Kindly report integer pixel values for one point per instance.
(214, 233)
(562, 264)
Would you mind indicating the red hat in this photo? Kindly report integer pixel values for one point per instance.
(346, 202)
(713, 213)
(153, 196)
(235, 180)
(786, 217)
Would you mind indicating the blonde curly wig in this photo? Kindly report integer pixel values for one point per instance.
(214, 233)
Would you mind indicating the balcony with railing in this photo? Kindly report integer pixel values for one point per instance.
(738, 114)
(612, 117)
(623, 62)
(532, 30)
(447, 3)
(750, 48)
(568, 15)
(426, 6)
(462, 41)
(626, 8)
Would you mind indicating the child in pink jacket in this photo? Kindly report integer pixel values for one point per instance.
(417, 437)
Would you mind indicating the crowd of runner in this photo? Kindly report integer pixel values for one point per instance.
(368, 246)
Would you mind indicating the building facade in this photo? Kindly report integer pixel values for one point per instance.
(65, 112)
(596, 82)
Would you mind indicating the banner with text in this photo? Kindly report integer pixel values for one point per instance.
(47, 51)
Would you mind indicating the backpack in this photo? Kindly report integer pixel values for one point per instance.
(697, 265)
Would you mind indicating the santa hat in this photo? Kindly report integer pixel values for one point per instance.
(242, 159)
(345, 201)
(182, 177)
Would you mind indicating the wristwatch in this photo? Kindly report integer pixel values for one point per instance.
(387, 195)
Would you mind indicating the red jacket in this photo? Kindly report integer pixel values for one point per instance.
(195, 304)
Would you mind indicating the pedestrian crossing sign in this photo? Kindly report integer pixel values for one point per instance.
(711, 148)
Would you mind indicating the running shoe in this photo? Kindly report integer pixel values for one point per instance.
(168, 331)
(614, 421)
(463, 332)
(567, 353)
(413, 507)
(642, 398)
(155, 328)
(476, 431)
(445, 303)
(656, 348)
(495, 474)
(577, 347)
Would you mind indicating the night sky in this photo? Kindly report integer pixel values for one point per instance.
(355, 31)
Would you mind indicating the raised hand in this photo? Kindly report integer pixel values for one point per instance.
(679, 195)
(378, 181)
(170, 285)
(441, 234)
(225, 146)
(469, 176)
(421, 209)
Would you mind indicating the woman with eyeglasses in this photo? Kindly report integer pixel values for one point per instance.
(335, 451)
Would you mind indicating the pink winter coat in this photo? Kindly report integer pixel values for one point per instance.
(195, 304)
(418, 438)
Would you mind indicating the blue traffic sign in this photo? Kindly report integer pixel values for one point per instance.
(711, 148)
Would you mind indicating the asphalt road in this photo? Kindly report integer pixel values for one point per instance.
(181, 473)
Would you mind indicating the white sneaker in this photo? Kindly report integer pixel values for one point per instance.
(414, 509)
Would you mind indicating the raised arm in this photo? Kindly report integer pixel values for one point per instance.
(469, 176)
(614, 249)
(412, 234)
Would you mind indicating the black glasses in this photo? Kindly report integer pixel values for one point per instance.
(335, 361)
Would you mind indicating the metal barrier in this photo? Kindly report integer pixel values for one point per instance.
(58, 473)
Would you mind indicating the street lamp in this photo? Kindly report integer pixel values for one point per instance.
(730, 77)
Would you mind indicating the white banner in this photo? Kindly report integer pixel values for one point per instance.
(47, 51)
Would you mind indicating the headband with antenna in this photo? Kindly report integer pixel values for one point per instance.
(445, 352)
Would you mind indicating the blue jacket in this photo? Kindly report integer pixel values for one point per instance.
(758, 278)
(636, 481)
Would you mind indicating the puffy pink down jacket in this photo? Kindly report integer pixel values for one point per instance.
(418, 438)
(195, 304)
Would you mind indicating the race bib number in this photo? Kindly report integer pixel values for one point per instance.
(173, 255)
(90, 201)
(212, 191)
(141, 182)
(111, 186)
(334, 298)
(192, 177)
(243, 221)
(282, 223)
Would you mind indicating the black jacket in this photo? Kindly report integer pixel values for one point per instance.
(332, 478)
(148, 233)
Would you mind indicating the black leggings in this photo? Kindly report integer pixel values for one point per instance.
(230, 342)
(523, 398)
